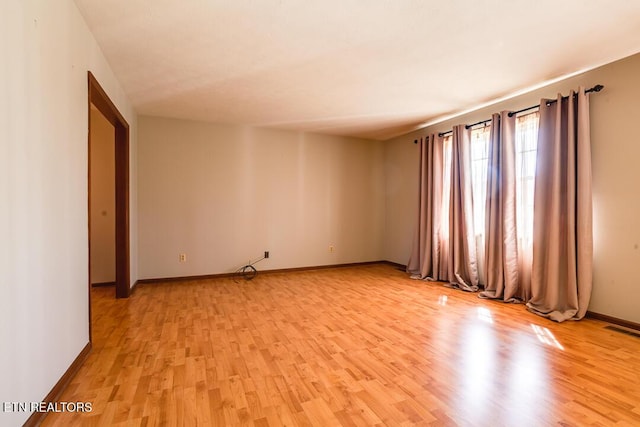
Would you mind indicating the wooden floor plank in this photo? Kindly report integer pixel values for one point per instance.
(347, 346)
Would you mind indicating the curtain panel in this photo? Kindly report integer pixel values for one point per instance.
(501, 238)
(462, 265)
(561, 276)
(424, 262)
(545, 261)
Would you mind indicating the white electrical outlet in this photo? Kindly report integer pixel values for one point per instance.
(182, 257)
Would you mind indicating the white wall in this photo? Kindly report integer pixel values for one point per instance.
(46, 50)
(103, 199)
(224, 194)
(616, 175)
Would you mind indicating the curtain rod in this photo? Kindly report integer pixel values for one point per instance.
(596, 88)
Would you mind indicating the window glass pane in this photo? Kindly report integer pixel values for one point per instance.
(479, 167)
(446, 187)
(526, 145)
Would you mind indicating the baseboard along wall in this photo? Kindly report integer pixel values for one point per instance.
(36, 418)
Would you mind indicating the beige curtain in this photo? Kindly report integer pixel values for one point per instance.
(501, 240)
(425, 259)
(561, 276)
(462, 262)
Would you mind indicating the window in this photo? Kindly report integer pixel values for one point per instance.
(526, 137)
(526, 140)
(479, 167)
(446, 187)
(526, 146)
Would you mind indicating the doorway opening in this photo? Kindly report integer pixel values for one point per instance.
(98, 100)
(102, 203)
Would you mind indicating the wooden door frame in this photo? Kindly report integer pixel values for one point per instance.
(98, 97)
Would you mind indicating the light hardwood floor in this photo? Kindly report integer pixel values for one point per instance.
(346, 346)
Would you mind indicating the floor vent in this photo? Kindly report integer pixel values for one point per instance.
(623, 331)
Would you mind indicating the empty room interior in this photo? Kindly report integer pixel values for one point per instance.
(320, 213)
